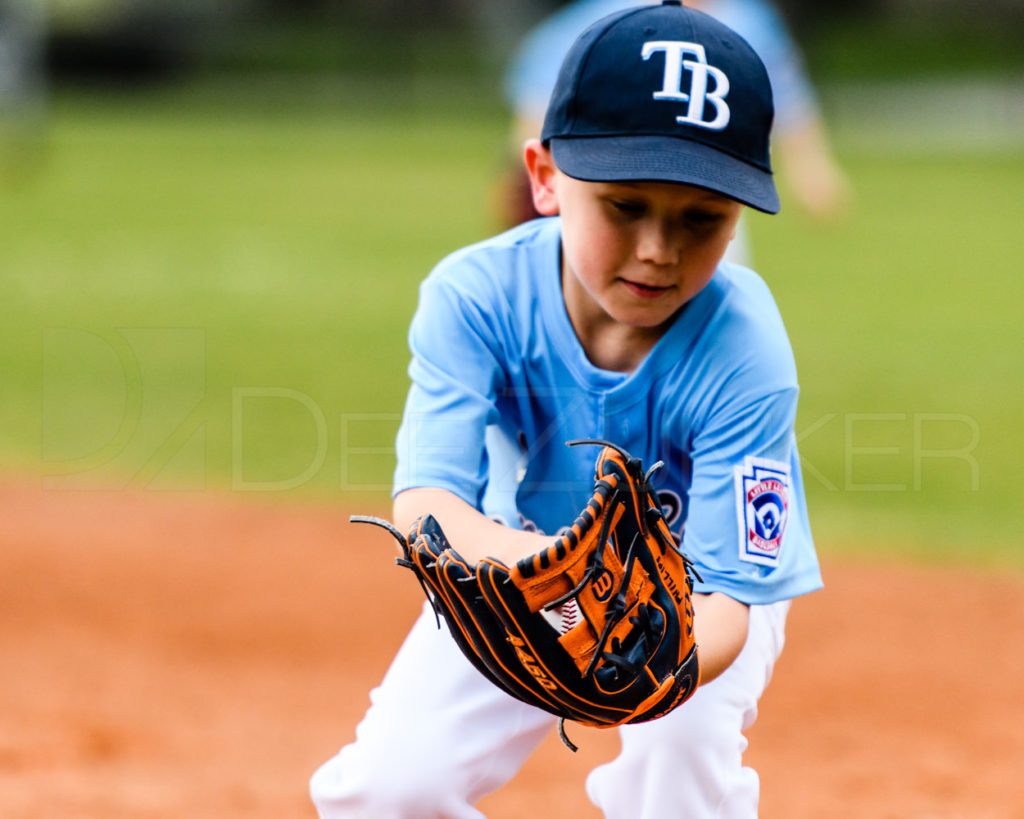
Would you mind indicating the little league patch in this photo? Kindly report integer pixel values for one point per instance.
(762, 504)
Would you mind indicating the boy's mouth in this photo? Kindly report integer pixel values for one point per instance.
(644, 291)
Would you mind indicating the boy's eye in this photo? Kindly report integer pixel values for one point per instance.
(626, 207)
(703, 217)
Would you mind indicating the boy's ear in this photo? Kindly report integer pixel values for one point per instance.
(541, 168)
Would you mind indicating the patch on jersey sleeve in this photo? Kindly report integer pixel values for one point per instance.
(762, 503)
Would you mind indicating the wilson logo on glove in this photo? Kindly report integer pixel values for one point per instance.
(603, 586)
(670, 581)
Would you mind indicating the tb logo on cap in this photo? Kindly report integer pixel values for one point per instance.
(676, 54)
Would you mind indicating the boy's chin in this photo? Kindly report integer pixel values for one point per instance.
(649, 319)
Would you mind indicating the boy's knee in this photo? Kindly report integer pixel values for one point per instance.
(707, 736)
(342, 789)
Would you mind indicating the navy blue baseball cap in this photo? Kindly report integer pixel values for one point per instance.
(665, 93)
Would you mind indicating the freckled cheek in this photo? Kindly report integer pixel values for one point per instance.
(595, 262)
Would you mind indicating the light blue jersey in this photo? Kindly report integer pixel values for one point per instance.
(500, 382)
(531, 75)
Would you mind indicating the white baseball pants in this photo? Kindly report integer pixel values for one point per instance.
(438, 737)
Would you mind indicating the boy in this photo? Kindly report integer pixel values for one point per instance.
(615, 320)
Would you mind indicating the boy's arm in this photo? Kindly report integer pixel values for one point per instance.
(720, 622)
(472, 534)
(720, 627)
(815, 177)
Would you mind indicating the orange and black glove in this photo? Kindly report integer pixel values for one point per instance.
(627, 653)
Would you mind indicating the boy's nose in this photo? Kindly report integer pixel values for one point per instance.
(656, 245)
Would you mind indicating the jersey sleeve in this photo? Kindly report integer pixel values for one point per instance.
(456, 375)
(745, 528)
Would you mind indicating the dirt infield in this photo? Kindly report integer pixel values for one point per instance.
(176, 655)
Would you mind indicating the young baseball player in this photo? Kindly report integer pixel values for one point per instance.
(612, 318)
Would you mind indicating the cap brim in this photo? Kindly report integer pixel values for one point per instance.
(665, 159)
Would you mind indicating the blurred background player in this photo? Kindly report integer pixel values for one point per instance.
(23, 91)
(801, 150)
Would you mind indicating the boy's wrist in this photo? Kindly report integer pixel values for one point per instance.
(502, 543)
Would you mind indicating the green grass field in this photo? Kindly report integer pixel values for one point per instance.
(203, 296)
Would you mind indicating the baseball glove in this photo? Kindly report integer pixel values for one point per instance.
(625, 653)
